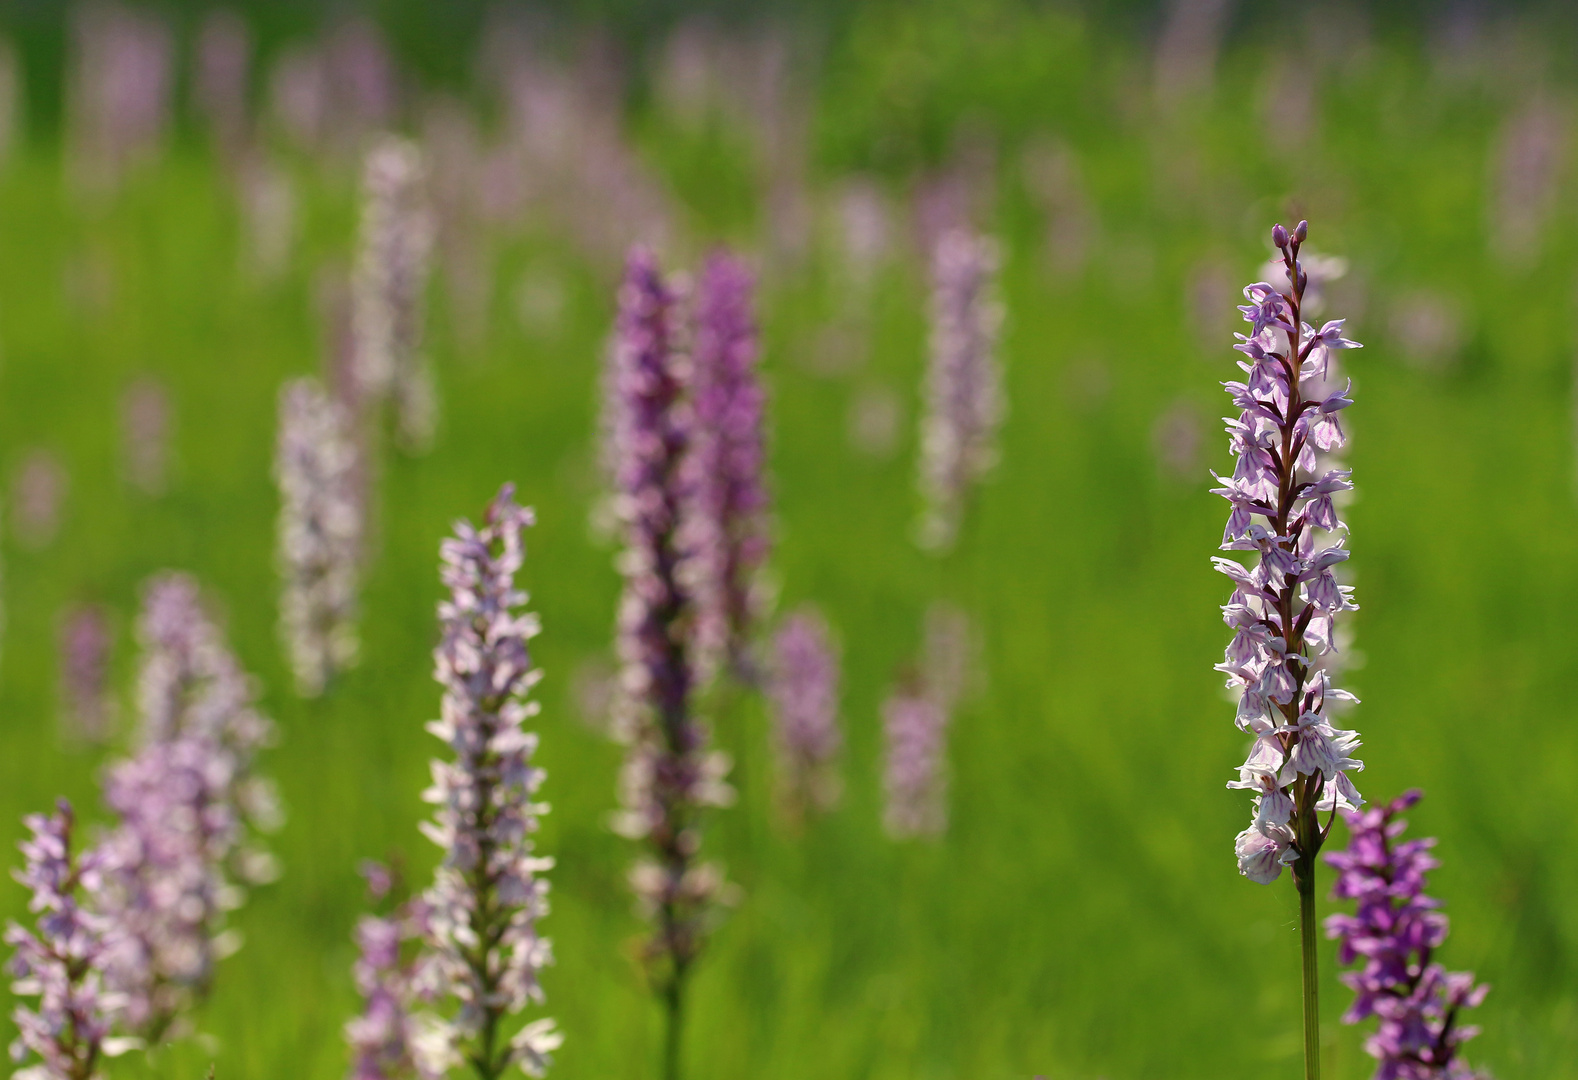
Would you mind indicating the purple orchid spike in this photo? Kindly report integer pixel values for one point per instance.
(87, 707)
(730, 492)
(391, 282)
(1392, 934)
(915, 724)
(64, 961)
(145, 428)
(1284, 608)
(320, 531)
(119, 91)
(220, 80)
(964, 394)
(484, 952)
(188, 806)
(388, 1039)
(670, 774)
(803, 688)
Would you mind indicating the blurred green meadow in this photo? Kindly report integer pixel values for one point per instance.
(1082, 916)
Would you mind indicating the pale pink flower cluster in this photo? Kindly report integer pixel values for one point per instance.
(119, 92)
(318, 549)
(389, 297)
(62, 964)
(188, 806)
(1285, 606)
(964, 395)
(483, 950)
(803, 689)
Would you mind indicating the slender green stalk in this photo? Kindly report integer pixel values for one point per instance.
(674, 1016)
(1304, 876)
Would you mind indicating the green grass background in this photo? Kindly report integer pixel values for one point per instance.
(1082, 917)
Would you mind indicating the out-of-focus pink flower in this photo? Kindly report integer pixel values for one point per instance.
(119, 90)
(87, 708)
(964, 394)
(38, 491)
(145, 432)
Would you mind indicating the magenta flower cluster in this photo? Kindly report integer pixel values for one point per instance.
(670, 774)
(1285, 604)
(1392, 936)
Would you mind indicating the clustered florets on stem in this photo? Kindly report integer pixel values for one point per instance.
(63, 963)
(391, 280)
(670, 774)
(483, 951)
(1283, 609)
(964, 394)
(1393, 934)
(803, 688)
(731, 498)
(187, 807)
(915, 780)
(388, 1040)
(87, 707)
(320, 533)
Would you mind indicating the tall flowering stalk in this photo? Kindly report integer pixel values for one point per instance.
(119, 91)
(731, 497)
(483, 949)
(188, 805)
(63, 962)
(386, 1038)
(1284, 608)
(389, 1040)
(320, 533)
(670, 775)
(1393, 934)
(803, 689)
(915, 726)
(145, 430)
(964, 394)
(390, 289)
(87, 707)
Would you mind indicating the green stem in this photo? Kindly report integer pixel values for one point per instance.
(1304, 876)
(674, 1013)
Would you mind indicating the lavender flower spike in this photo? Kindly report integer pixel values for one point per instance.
(670, 775)
(87, 706)
(803, 689)
(484, 951)
(383, 1035)
(915, 723)
(1284, 608)
(63, 963)
(387, 1040)
(188, 805)
(964, 395)
(320, 531)
(730, 493)
(1393, 933)
(391, 281)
